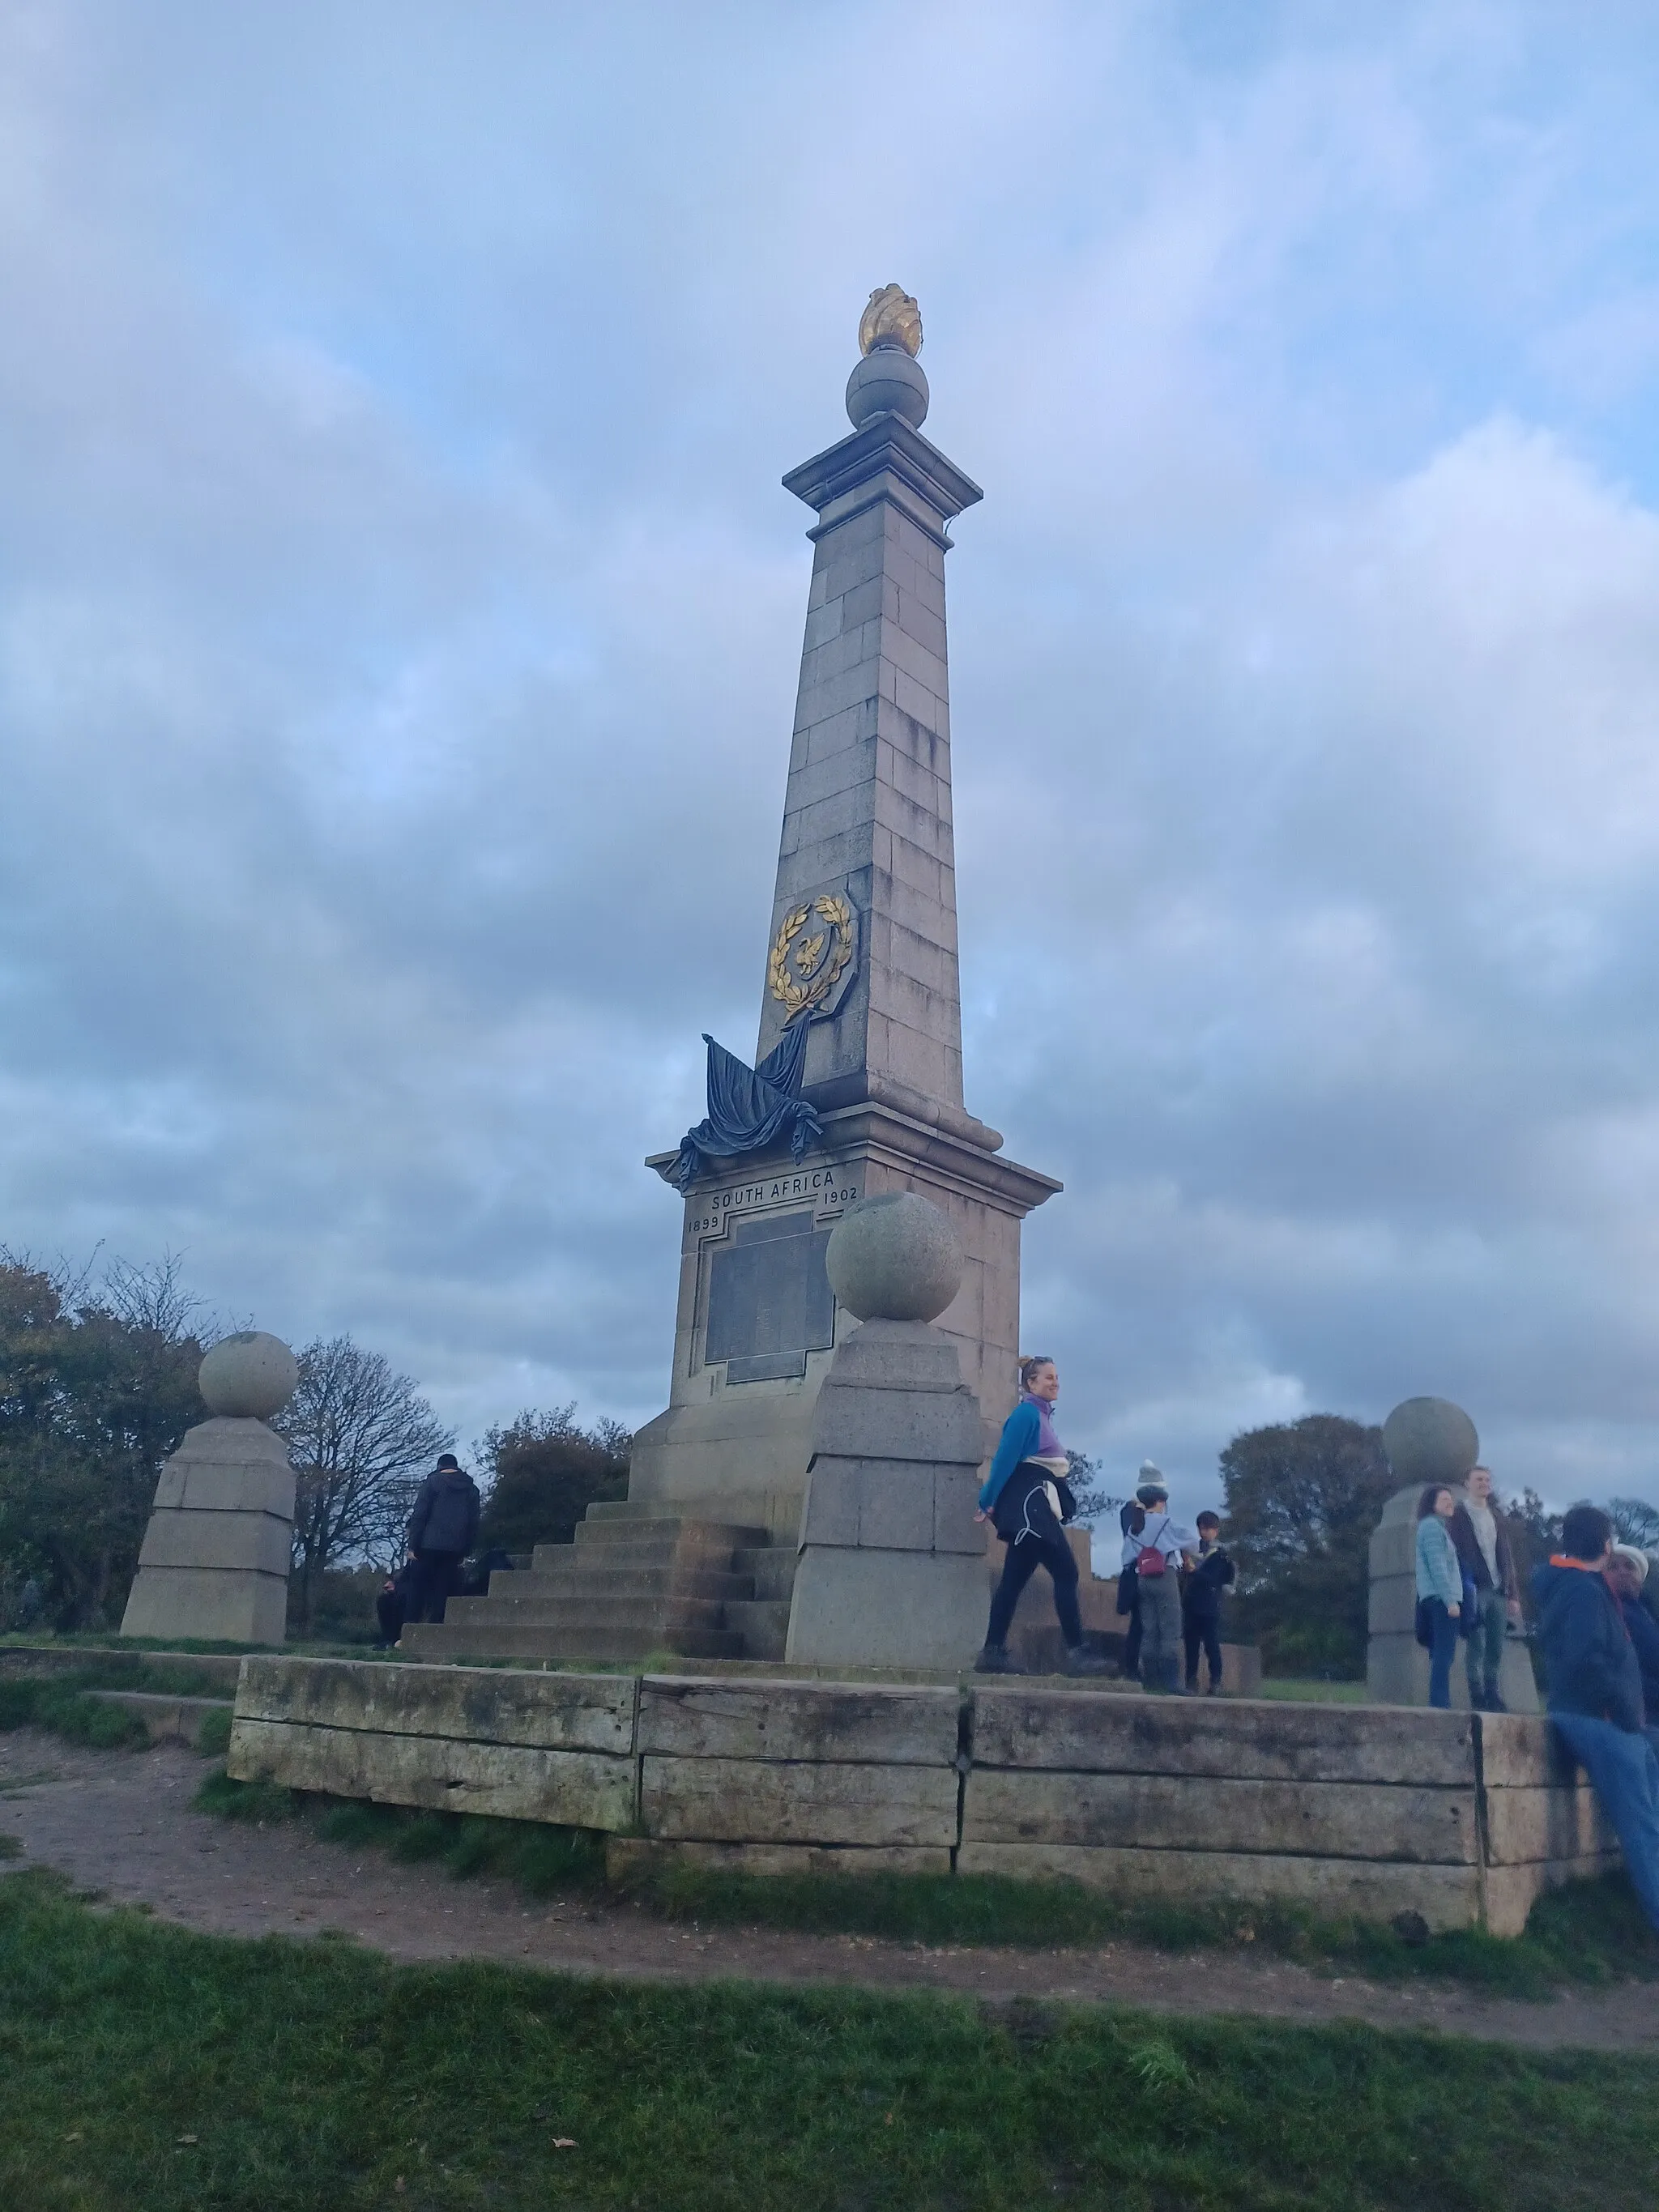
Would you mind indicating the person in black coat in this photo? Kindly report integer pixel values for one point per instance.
(1212, 1573)
(1596, 1691)
(443, 1530)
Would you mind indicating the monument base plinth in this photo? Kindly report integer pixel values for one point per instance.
(215, 1560)
(870, 1608)
(756, 1327)
(892, 1563)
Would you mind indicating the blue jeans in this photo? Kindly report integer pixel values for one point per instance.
(1441, 1652)
(1624, 1773)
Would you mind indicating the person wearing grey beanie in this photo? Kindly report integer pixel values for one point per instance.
(1153, 1555)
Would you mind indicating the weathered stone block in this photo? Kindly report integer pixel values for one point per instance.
(857, 1422)
(755, 1801)
(870, 1608)
(897, 1355)
(216, 1604)
(956, 1495)
(1522, 1750)
(1333, 1819)
(868, 1725)
(547, 1711)
(1512, 1891)
(1448, 1897)
(567, 1788)
(1057, 1729)
(1523, 1824)
(896, 1506)
(624, 1854)
(257, 1543)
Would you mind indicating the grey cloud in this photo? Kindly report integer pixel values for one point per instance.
(398, 617)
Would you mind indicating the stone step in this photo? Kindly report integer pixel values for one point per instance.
(550, 1592)
(578, 1602)
(773, 1568)
(168, 1719)
(627, 1558)
(489, 1640)
(651, 1572)
(667, 1528)
(763, 1627)
(659, 1617)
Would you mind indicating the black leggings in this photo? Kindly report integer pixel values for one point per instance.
(1044, 1545)
(1205, 1630)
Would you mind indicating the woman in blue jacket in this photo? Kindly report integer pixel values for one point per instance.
(1439, 1588)
(1027, 1498)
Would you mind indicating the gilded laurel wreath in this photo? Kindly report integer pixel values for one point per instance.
(802, 973)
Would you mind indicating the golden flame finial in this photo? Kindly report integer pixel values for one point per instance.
(892, 317)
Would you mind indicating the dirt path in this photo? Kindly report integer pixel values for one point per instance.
(121, 1823)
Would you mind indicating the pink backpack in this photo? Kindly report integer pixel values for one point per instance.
(1150, 1560)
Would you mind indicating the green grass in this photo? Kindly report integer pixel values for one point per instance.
(62, 1706)
(150, 2070)
(213, 1736)
(1588, 1935)
(59, 1702)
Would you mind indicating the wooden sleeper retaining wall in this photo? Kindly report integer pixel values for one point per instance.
(1371, 1810)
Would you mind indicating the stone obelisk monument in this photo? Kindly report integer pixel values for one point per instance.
(861, 1010)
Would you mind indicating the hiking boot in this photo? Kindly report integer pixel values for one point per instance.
(1079, 1660)
(993, 1660)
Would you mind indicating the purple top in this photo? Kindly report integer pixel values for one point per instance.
(1048, 1444)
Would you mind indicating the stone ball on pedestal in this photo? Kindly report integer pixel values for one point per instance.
(1429, 1440)
(888, 380)
(895, 1257)
(249, 1376)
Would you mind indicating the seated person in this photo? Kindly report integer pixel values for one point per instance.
(1595, 1691)
(389, 1607)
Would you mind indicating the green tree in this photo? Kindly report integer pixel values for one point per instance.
(1303, 1499)
(97, 1386)
(543, 1472)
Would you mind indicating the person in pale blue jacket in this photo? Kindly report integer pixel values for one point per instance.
(1439, 1589)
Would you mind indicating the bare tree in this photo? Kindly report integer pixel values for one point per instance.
(1634, 1522)
(153, 1296)
(360, 1438)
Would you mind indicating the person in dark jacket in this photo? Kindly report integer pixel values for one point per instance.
(1595, 1691)
(1627, 1572)
(443, 1530)
(1213, 1573)
(1132, 1519)
(1028, 1499)
(1482, 1544)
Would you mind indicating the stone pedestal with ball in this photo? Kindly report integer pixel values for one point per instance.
(215, 1561)
(891, 1570)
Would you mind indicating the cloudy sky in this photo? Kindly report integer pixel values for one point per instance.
(400, 617)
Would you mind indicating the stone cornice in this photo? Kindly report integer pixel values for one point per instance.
(900, 1139)
(885, 447)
